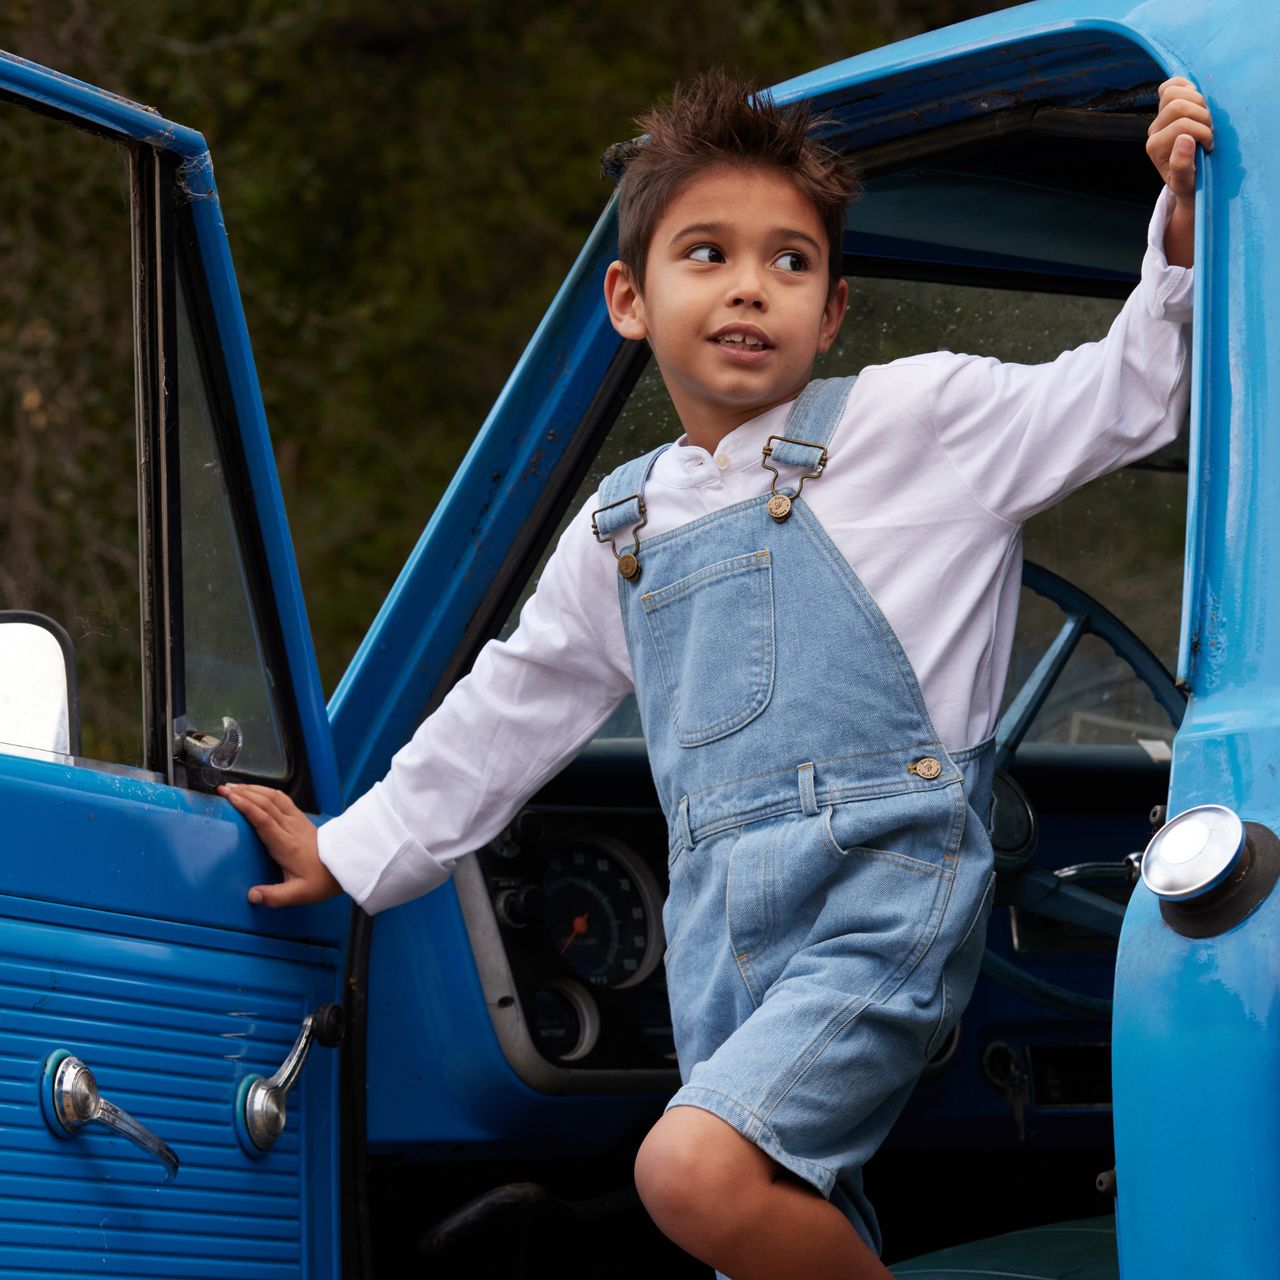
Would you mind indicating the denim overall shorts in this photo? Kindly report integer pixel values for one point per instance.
(830, 875)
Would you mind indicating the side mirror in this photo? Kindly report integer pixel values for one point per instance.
(39, 704)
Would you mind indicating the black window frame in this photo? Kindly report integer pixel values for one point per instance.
(165, 246)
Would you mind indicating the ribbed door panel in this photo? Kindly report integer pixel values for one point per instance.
(169, 1028)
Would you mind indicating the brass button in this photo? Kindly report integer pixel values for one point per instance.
(628, 566)
(926, 767)
(779, 507)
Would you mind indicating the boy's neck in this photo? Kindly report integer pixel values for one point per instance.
(706, 427)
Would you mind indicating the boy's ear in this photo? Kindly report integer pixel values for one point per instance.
(833, 315)
(626, 306)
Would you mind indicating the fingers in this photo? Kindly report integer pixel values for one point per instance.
(1159, 145)
(291, 841)
(1182, 114)
(1182, 168)
(289, 893)
(263, 815)
(1176, 109)
(268, 809)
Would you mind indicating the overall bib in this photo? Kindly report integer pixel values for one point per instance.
(830, 875)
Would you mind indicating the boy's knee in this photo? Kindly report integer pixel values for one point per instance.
(696, 1175)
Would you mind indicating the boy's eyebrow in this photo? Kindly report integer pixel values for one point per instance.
(718, 229)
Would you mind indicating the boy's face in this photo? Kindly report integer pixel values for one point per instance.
(735, 303)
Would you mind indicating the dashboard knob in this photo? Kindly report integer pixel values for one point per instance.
(528, 828)
(523, 906)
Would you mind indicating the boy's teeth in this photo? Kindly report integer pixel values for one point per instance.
(742, 340)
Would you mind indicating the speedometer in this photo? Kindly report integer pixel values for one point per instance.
(603, 912)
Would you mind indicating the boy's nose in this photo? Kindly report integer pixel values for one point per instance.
(746, 286)
(748, 292)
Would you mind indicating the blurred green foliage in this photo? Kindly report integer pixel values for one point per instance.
(68, 514)
(405, 183)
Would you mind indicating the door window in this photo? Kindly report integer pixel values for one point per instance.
(225, 668)
(79, 543)
(68, 456)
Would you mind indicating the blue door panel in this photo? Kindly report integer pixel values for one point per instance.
(142, 848)
(170, 1020)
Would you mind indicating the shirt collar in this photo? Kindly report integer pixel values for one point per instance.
(740, 449)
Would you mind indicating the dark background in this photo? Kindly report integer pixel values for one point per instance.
(405, 185)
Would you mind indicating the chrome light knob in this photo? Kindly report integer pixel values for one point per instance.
(1193, 853)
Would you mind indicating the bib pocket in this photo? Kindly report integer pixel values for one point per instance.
(713, 633)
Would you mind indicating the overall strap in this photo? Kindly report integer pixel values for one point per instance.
(811, 423)
(622, 509)
(803, 442)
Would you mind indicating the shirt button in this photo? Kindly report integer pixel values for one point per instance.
(722, 461)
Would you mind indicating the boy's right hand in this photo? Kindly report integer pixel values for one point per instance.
(290, 839)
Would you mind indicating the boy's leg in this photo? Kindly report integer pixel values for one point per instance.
(722, 1199)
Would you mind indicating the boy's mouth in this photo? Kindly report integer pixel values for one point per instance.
(742, 338)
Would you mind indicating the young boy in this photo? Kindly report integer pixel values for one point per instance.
(818, 673)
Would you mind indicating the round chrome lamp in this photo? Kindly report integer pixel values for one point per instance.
(1193, 853)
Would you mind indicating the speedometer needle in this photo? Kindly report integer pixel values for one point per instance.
(579, 926)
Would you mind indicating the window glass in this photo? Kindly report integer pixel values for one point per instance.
(226, 672)
(1119, 538)
(68, 469)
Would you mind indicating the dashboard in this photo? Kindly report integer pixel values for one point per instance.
(564, 909)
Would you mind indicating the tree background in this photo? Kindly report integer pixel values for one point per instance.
(405, 183)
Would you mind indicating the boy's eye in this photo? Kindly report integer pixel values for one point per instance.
(791, 261)
(705, 253)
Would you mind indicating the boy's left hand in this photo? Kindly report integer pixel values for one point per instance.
(1182, 120)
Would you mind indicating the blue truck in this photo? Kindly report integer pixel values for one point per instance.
(191, 1086)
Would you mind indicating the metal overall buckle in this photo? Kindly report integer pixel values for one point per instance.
(779, 504)
(628, 561)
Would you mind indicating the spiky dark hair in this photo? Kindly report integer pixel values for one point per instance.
(718, 120)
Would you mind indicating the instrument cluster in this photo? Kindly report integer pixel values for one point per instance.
(576, 897)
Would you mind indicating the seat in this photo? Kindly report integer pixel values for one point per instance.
(1082, 1250)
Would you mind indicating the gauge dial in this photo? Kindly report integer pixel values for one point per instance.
(603, 912)
(564, 1021)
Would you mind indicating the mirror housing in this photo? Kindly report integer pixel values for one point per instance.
(39, 700)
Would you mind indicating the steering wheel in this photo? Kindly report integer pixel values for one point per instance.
(1022, 883)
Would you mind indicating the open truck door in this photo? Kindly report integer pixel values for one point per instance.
(154, 643)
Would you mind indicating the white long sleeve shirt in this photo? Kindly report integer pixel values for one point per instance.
(936, 463)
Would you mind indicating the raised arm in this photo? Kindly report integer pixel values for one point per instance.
(1023, 436)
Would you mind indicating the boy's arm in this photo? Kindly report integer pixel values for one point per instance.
(526, 708)
(1023, 436)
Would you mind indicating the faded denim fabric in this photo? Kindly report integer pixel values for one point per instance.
(828, 902)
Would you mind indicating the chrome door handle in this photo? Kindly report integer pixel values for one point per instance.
(70, 1099)
(260, 1103)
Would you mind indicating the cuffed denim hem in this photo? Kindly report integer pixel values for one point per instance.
(756, 1131)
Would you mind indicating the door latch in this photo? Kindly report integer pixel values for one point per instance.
(260, 1102)
(209, 751)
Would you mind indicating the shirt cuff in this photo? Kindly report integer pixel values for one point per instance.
(374, 857)
(1166, 290)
